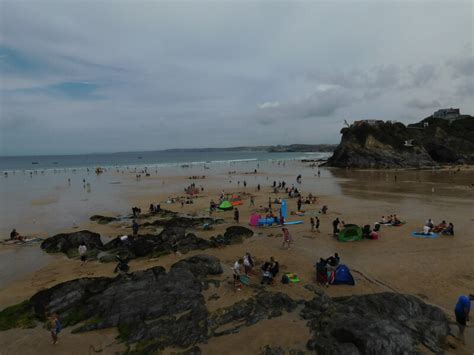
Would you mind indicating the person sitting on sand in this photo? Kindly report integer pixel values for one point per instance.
(395, 221)
(389, 219)
(440, 227)
(383, 220)
(430, 223)
(449, 230)
(152, 208)
(269, 271)
(14, 235)
(321, 271)
(426, 230)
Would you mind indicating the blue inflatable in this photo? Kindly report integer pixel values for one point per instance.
(268, 221)
(343, 276)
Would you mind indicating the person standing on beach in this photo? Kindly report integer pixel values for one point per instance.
(82, 252)
(236, 215)
(311, 220)
(135, 227)
(258, 187)
(237, 271)
(317, 224)
(252, 202)
(245, 183)
(299, 203)
(55, 328)
(270, 203)
(335, 225)
(287, 239)
(461, 311)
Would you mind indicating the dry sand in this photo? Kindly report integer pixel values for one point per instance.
(436, 270)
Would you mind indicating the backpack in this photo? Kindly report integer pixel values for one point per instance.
(285, 279)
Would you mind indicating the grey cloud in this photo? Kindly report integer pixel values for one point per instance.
(423, 104)
(462, 67)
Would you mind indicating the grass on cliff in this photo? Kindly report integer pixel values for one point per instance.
(21, 315)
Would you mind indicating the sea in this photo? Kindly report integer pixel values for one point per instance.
(152, 159)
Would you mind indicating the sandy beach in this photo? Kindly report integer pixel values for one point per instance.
(437, 270)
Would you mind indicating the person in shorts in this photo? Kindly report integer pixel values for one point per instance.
(461, 311)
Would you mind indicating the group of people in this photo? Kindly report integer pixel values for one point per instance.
(326, 268)
(154, 208)
(243, 267)
(392, 219)
(136, 211)
(443, 227)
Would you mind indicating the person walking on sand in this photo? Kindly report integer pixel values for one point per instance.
(461, 311)
(252, 202)
(55, 328)
(317, 224)
(311, 220)
(258, 187)
(287, 238)
(82, 250)
(236, 215)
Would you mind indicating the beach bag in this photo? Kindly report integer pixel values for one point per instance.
(285, 279)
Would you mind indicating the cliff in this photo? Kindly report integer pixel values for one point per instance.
(427, 143)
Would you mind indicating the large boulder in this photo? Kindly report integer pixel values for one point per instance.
(69, 242)
(200, 265)
(169, 240)
(232, 235)
(384, 323)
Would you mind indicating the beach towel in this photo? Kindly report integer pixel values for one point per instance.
(421, 235)
(244, 280)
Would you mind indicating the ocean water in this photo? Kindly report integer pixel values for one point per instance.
(142, 159)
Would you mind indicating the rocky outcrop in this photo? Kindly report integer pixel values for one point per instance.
(69, 242)
(103, 219)
(393, 145)
(152, 309)
(384, 323)
(183, 222)
(172, 239)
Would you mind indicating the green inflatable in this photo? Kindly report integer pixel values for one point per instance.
(226, 206)
(350, 233)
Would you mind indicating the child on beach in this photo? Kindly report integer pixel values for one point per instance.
(237, 271)
(82, 250)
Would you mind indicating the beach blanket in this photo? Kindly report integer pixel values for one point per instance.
(292, 277)
(421, 235)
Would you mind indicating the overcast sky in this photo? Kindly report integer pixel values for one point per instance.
(106, 76)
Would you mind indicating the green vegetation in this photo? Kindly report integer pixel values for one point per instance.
(21, 315)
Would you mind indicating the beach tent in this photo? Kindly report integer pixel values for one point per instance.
(254, 218)
(226, 206)
(236, 200)
(350, 233)
(343, 276)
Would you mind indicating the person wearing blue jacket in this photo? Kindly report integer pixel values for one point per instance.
(461, 311)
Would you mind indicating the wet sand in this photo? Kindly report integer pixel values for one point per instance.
(436, 270)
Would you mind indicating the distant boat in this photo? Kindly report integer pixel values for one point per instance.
(140, 158)
(34, 162)
(55, 163)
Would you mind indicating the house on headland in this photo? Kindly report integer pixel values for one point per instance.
(449, 114)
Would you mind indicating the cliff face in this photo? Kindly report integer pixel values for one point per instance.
(383, 144)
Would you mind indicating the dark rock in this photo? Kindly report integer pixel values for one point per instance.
(152, 309)
(103, 219)
(247, 312)
(268, 350)
(69, 242)
(183, 222)
(200, 265)
(385, 323)
(232, 235)
(169, 240)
